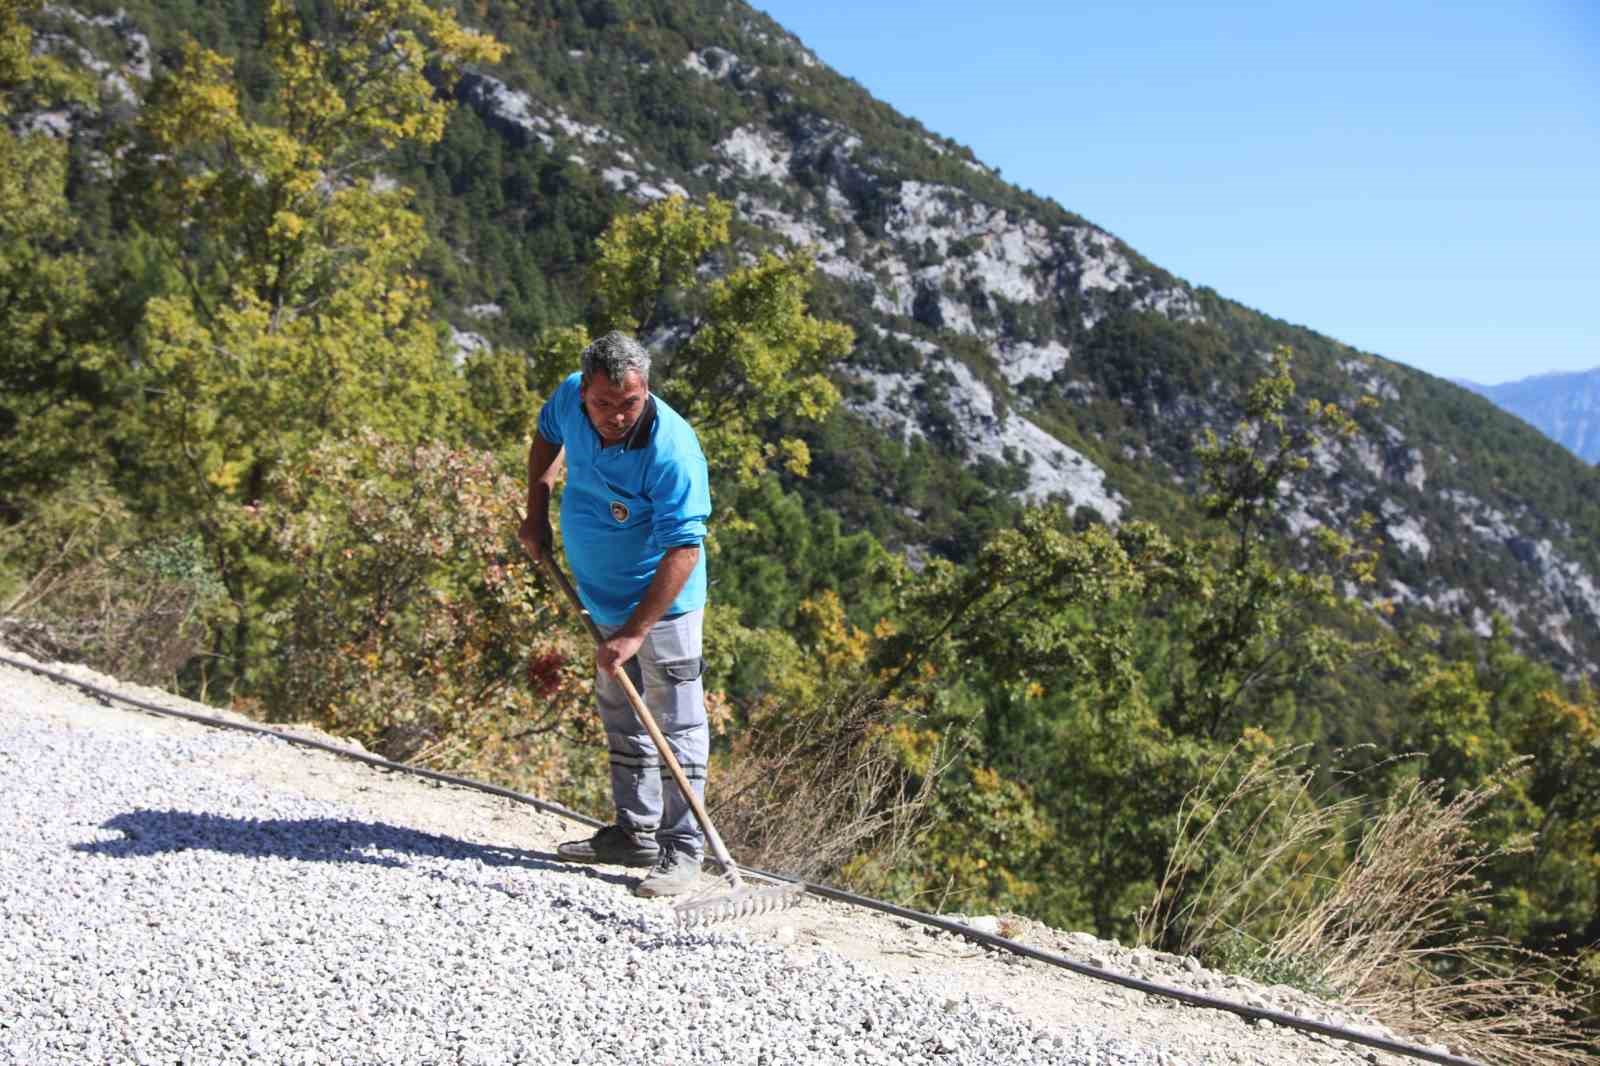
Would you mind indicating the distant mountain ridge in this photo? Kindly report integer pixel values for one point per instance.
(1563, 406)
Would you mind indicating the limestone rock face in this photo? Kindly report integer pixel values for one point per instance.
(121, 64)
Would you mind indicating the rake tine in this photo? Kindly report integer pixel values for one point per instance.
(742, 903)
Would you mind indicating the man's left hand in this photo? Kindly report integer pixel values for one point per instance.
(615, 651)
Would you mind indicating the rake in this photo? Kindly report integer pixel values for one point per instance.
(734, 898)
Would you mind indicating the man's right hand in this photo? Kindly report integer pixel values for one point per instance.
(535, 537)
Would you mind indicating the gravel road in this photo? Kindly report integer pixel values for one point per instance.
(173, 894)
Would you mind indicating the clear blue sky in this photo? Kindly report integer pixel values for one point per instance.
(1420, 180)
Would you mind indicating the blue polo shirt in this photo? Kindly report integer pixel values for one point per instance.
(625, 504)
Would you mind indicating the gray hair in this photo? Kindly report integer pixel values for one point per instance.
(615, 355)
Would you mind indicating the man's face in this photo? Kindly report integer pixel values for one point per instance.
(613, 407)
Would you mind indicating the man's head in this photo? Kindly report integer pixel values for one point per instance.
(615, 384)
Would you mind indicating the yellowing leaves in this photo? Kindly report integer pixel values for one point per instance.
(1573, 717)
(643, 257)
(366, 82)
(841, 646)
(196, 106)
(286, 225)
(756, 351)
(15, 40)
(917, 749)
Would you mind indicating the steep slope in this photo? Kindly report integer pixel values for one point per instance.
(1009, 351)
(1003, 330)
(1564, 407)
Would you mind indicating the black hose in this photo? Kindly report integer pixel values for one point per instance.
(1196, 999)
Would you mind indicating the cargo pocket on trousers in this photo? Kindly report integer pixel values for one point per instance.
(679, 671)
(686, 708)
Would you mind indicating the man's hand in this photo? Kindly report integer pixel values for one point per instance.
(671, 574)
(616, 650)
(535, 537)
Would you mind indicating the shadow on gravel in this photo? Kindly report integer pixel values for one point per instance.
(147, 832)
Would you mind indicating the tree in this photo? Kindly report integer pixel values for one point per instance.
(750, 351)
(1106, 669)
(1254, 627)
(784, 552)
(51, 361)
(299, 316)
(1485, 715)
(413, 630)
(1027, 661)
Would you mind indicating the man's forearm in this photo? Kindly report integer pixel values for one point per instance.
(544, 466)
(672, 573)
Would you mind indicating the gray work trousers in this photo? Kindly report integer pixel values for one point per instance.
(666, 671)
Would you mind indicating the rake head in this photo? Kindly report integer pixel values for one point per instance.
(742, 901)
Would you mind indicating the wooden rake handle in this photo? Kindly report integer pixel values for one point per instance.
(718, 849)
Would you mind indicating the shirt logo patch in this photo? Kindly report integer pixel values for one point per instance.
(619, 510)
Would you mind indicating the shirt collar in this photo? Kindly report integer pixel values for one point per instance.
(639, 434)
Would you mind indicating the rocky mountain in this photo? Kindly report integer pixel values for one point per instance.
(1564, 407)
(997, 332)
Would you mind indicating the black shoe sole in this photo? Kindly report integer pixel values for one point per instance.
(641, 863)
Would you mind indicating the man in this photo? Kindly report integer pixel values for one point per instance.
(633, 517)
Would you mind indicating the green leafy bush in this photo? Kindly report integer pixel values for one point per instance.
(413, 623)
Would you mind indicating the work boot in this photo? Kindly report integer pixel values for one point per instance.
(674, 873)
(614, 846)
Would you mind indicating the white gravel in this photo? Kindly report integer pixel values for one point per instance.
(171, 893)
(157, 908)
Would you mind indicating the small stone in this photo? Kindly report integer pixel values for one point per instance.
(985, 923)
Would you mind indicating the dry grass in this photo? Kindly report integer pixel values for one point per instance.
(1243, 857)
(1383, 923)
(83, 595)
(1394, 938)
(803, 793)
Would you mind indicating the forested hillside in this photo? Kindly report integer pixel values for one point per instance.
(1043, 580)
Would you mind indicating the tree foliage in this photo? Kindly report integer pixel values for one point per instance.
(744, 349)
(1255, 625)
(298, 316)
(1101, 670)
(1485, 715)
(412, 629)
(52, 364)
